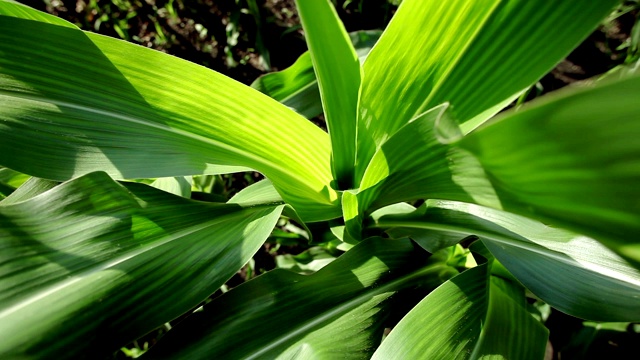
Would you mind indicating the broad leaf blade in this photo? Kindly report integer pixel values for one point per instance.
(472, 54)
(572, 160)
(82, 103)
(109, 265)
(337, 69)
(471, 316)
(292, 315)
(572, 273)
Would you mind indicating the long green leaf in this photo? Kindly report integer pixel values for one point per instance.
(337, 69)
(471, 316)
(73, 102)
(337, 312)
(572, 160)
(112, 262)
(572, 273)
(472, 54)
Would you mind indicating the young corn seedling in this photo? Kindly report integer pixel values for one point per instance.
(548, 193)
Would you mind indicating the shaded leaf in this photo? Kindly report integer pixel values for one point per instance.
(293, 315)
(110, 264)
(471, 316)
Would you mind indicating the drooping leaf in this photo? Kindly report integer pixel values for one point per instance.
(112, 262)
(293, 315)
(337, 70)
(572, 160)
(572, 273)
(84, 102)
(471, 316)
(472, 54)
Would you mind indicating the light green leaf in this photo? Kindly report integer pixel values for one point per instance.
(572, 273)
(109, 265)
(84, 102)
(337, 70)
(180, 185)
(472, 54)
(572, 160)
(261, 192)
(471, 316)
(12, 178)
(293, 315)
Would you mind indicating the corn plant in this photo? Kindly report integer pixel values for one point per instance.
(544, 195)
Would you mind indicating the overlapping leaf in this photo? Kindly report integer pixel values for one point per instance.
(572, 273)
(74, 102)
(291, 315)
(111, 263)
(572, 160)
(476, 55)
(297, 87)
(337, 70)
(471, 316)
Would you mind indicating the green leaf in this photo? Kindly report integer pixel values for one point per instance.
(337, 312)
(472, 54)
(337, 69)
(307, 262)
(32, 187)
(572, 160)
(15, 9)
(471, 316)
(109, 265)
(297, 87)
(570, 272)
(12, 178)
(180, 186)
(427, 168)
(84, 102)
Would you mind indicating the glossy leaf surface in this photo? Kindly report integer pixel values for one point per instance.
(471, 316)
(293, 315)
(112, 262)
(572, 273)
